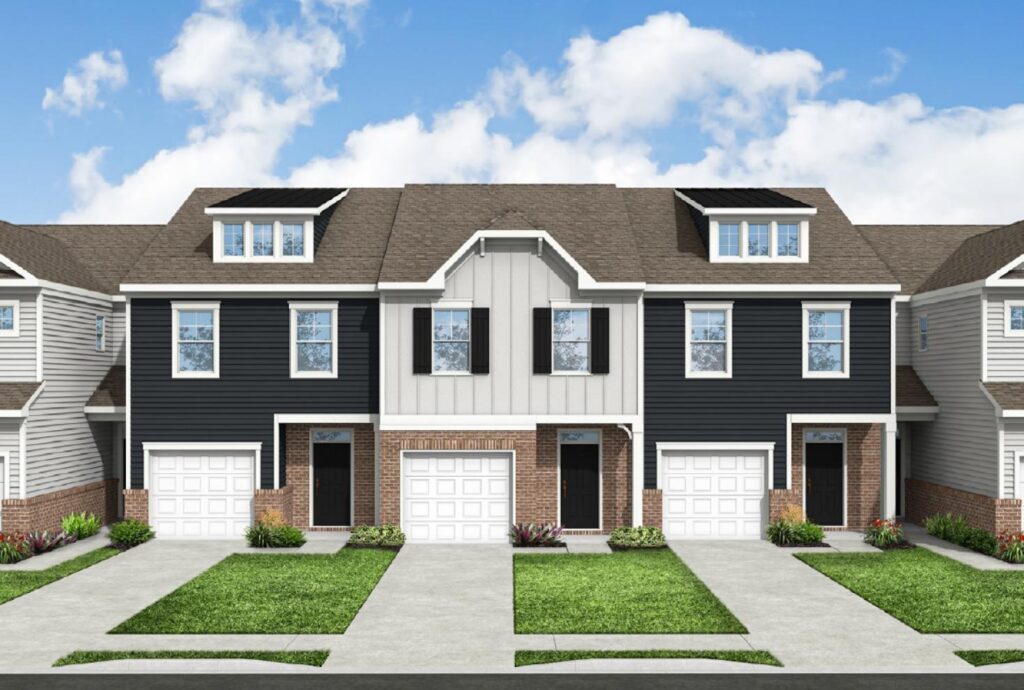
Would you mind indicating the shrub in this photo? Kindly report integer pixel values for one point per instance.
(128, 533)
(532, 534)
(13, 547)
(272, 517)
(388, 536)
(1011, 547)
(792, 530)
(81, 525)
(884, 534)
(637, 538)
(43, 541)
(274, 535)
(979, 540)
(954, 528)
(809, 533)
(782, 532)
(793, 514)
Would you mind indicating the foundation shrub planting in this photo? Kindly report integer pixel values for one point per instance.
(45, 541)
(13, 547)
(531, 534)
(954, 528)
(885, 534)
(272, 532)
(382, 537)
(636, 538)
(791, 529)
(129, 533)
(1011, 547)
(81, 525)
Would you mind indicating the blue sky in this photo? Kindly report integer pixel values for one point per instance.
(905, 111)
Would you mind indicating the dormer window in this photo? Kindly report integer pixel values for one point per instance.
(752, 225)
(267, 225)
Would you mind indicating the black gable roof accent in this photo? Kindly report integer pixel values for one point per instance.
(289, 197)
(740, 197)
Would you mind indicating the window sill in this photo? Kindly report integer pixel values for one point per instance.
(314, 375)
(195, 375)
(570, 373)
(826, 375)
(450, 373)
(708, 375)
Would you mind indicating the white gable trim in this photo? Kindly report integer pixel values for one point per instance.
(251, 211)
(783, 211)
(18, 269)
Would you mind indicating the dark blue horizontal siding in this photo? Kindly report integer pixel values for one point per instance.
(254, 381)
(767, 381)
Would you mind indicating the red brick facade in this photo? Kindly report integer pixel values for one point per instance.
(297, 469)
(652, 508)
(136, 504)
(44, 512)
(997, 515)
(274, 499)
(536, 480)
(863, 474)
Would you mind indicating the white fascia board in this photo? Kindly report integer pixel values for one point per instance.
(697, 289)
(841, 418)
(1006, 268)
(1000, 412)
(23, 411)
(785, 211)
(104, 409)
(16, 268)
(251, 211)
(917, 409)
(584, 281)
(77, 291)
(222, 289)
(301, 418)
(498, 422)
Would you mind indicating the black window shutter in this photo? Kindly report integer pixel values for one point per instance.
(541, 340)
(599, 340)
(480, 347)
(421, 340)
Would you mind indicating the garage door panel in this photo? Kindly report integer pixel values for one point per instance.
(453, 499)
(713, 495)
(201, 495)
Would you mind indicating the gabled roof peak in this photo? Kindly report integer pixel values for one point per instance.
(510, 219)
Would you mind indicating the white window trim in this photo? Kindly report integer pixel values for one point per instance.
(844, 307)
(586, 306)
(710, 306)
(451, 305)
(13, 332)
(247, 232)
(714, 251)
(176, 309)
(294, 309)
(926, 333)
(101, 318)
(1007, 307)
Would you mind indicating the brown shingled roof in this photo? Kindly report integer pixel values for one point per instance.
(106, 251)
(914, 252)
(45, 257)
(1009, 395)
(979, 257)
(910, 389)
(350, 251)
(672, 250)
(110, 392)
(13, 396)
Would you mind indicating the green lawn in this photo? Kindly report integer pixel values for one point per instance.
(987, 657)
(623, 592)
(746, 656)
(929, 592)
(312, 658)
(14, 583)
(268, 593)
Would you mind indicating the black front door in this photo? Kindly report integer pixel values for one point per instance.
(332, 484)
(580, 494)
(824, 467)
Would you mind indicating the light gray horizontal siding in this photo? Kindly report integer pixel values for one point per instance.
(906, 333)
(510, 280)
(115, 334)
(9, 446)
(1005, 354)
(960, 448)
(64, 449)
(1013, 443)
(18, 355)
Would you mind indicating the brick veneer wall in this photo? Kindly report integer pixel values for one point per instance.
(274, 499)
(136, 504)
(997, 515)
(536, 478)
(297, 467)
(863, 474)
(44, 512)
(652, 508)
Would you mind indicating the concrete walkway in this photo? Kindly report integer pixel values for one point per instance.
(805, 619)
(918, 535)
(58, 556)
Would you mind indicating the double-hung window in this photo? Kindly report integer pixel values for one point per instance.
(709, 340)
(788, 239)
(234, 239)
(826, 340)
(728, 239)
(451, 341)
(314, 340)
(101, 333)
(922, 333)
(262, 239)
(196, 337)
(757, 239)
(1014, 320)
(8, 319)
(292, 238)
(570, 340)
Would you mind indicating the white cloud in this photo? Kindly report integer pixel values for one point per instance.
(80, 90)
(897, 60)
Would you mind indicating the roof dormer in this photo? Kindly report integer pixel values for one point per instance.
(752, 225)
(270, 225)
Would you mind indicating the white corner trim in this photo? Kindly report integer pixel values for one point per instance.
(692, 307)
(127, 459)
(176, 309)
(23, 459)
(5, 459)
(843, 307)
(294, 308)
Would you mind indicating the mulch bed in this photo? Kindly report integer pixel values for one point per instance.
(396, 549)
(897, 547)
(814, 545)
(618, 547)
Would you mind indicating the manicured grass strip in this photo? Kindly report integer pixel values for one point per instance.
(929, 592)
(987, 657)
(312, 658)
(746, 656)
(14, 583)
(622, 592)
(268, 593)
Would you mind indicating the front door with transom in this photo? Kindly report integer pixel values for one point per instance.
(332, 484)
(824, 483)
(580, 482)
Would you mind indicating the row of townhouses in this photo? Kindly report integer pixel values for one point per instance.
(454, 358)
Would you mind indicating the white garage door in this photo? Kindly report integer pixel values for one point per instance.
(197, 495)
(456, 498)
(713, 494)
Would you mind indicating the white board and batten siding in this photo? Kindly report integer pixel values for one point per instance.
(65, 449)
(18, 353)
(511, 280)
(960, 448)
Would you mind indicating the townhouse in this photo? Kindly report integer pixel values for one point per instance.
(453, 358)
